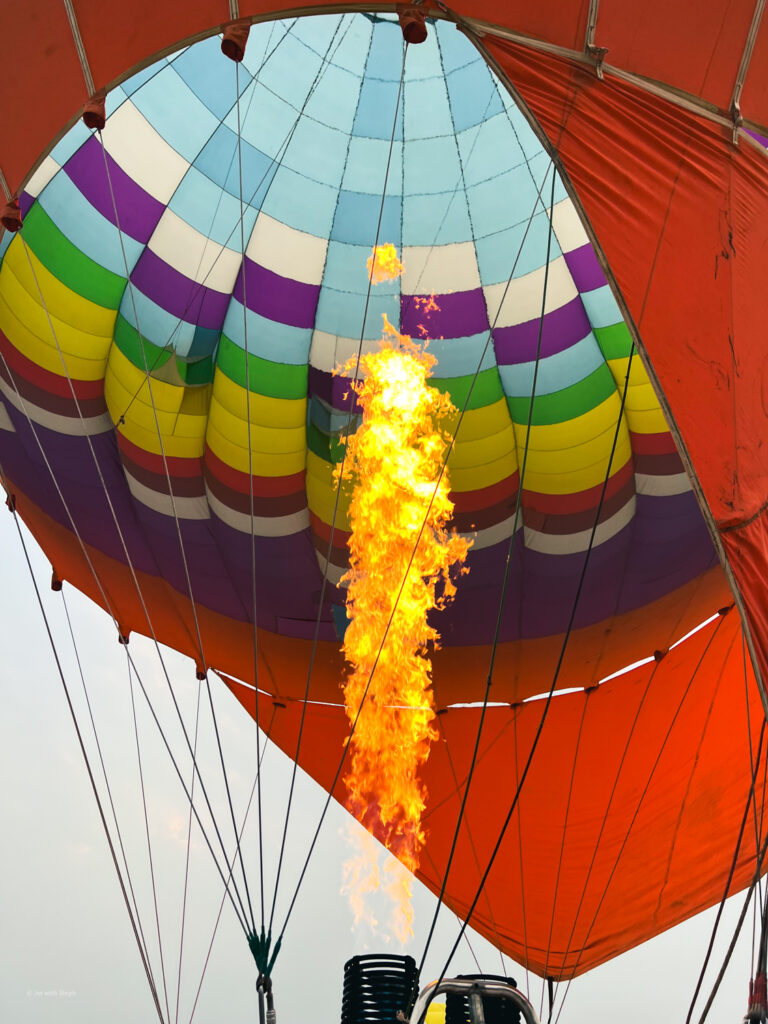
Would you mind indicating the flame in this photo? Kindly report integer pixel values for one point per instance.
(399, 512)
(383, 264)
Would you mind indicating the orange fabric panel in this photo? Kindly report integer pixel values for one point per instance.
(657, 184)
(522, 668)
(695, 49)
(647, 776)
(43, 87)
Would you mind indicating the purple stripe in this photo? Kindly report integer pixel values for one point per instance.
(585, 270)
(458, 315)
(177, 294)
(25, 203)
(335, 390)
(137, 210)
(277, 298)
(563, 327)
(665, 546)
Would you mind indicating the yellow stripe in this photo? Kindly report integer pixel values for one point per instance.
(262, 463)
(269, 440)
(269, 412)
(66, 305)
(44, 354)
(479, 423)
(587, 464)
(474, 478)
(467, 454)
(321, 492)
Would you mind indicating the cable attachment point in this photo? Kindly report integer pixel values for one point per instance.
(94, 112)
(264, 988)
(234, 38)
(412, 23)
(259, 944)
(10, 501)
(11, 215)
(56, 583)
(758, 1000)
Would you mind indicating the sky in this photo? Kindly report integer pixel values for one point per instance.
(68, 954)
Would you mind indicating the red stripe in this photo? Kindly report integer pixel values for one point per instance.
(565, 504)
(652, 444)
(53, 383)
(266, 486)
(177, 466)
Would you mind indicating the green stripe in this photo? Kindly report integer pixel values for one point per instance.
(615, 341)
(130, 343)
(324, 446)
(487, 389)
(567, 404)
(196, 373)
(66, 262)
(275, 380)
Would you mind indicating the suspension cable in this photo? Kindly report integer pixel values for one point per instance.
(91, 778)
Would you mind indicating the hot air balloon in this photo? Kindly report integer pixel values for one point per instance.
(578, 202)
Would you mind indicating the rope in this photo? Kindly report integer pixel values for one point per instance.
(121, 537)
(103, 769)
(108, 606)
(250, 493)
(92, 780)
(337, 499)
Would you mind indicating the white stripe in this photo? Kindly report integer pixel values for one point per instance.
(492, 534)
(263, 526)
(329, 353)
(42, 176)
(659, 486)
(5, 419)
(286, 251)
(73, 425)
(193, 254)
(142, 153)
(439, 269)
(570, 543)
(185, 508)
(567, 226)
(524, 296)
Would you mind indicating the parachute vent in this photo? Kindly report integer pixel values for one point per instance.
(377, 987)
(495, 1010)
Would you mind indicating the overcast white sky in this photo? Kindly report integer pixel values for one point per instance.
(68, 954)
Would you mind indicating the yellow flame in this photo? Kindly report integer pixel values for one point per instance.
(399, 512)
(383, 264)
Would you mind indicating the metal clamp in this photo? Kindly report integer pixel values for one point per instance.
(476, 989)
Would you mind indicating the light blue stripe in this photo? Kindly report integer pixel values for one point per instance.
(432, 163)
(176, 113)
(266, 338)
(555, 372)
(497, 253)
(436, 219)
(357, 216)
(341, 313)
(155, 323)
(211, 76)
(301, 203)
(601, 307)
(85, 227)
(346, 270)
(367, 165)
(210, 210)
(457, 357)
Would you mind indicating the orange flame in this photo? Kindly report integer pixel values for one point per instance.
(399, 513)
(383, 264)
